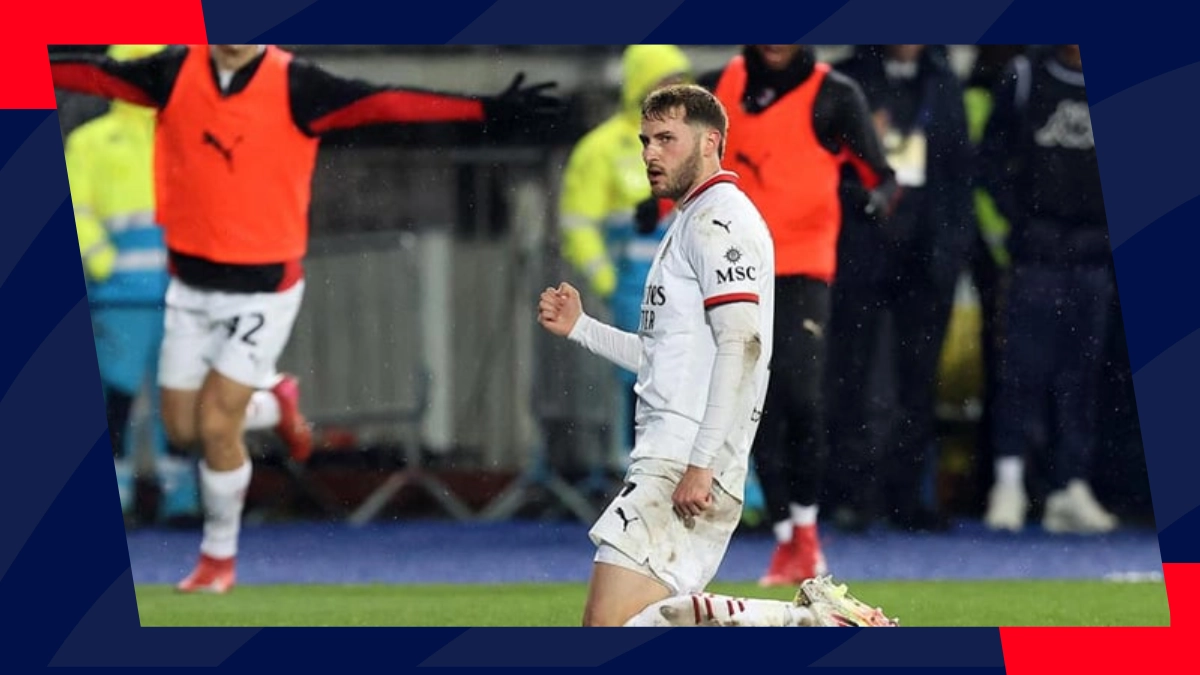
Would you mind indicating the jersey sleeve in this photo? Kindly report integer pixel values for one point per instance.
(147, 81)
(853, 128)
(323, 102)
(727, 255)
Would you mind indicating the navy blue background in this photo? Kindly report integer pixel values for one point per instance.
(65, 584)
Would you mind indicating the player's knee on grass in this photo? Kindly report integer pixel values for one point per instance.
(597, 618)
(608, 615)
(617, 594)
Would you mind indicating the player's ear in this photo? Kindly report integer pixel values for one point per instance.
(712, 143)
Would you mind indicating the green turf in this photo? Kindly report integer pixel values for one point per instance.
(917, 603)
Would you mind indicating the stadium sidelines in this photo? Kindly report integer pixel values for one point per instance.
(424, 552)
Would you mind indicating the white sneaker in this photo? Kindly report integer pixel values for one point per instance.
(1007, 505)
(1075, 510)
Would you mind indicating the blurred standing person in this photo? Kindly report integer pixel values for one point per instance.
(793, 122)
(236, 139)
(1039, 160)
(110, 164)
(988, 261)
(610, 224)
(907, 272)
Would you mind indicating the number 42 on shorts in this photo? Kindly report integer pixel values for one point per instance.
(250, 323)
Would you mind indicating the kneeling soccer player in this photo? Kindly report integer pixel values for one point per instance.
(701, 356)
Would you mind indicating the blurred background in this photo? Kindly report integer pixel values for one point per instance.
(436, 396)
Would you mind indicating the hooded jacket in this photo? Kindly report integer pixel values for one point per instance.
(605, 181)
(110, 165)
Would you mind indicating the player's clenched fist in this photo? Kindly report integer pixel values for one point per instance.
(559, 309)
(693, 494)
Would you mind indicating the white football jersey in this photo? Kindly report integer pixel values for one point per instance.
(717, 250)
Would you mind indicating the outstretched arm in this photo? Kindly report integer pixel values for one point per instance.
(614, 344)
(560, 311)
(146, 81)
(323, 102)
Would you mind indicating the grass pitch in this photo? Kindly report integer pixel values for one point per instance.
(916, 603)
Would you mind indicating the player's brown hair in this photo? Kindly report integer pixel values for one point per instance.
(700, 107)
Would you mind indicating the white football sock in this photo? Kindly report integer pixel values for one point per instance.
(803, 515)
(224, 495)
(1010, 471)
(783, 531)
(263, 411)
(707, 609)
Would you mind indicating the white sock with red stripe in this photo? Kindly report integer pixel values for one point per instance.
(707, 609)
(224, 495)
(263, 411)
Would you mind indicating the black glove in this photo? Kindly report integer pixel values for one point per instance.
(522, 110)
(881, 202)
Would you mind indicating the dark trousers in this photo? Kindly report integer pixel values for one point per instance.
(991, 280)
(790, 448)
(118, 406)
(1055, 327)
(880, 452)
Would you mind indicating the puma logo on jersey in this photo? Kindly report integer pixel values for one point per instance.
(725, 226)
(624, 519)
(211, 140)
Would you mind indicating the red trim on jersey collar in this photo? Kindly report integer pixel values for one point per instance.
(722, 176)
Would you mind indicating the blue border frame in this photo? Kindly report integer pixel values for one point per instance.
(65, 582)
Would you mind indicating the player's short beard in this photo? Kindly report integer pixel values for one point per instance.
(689, 173)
